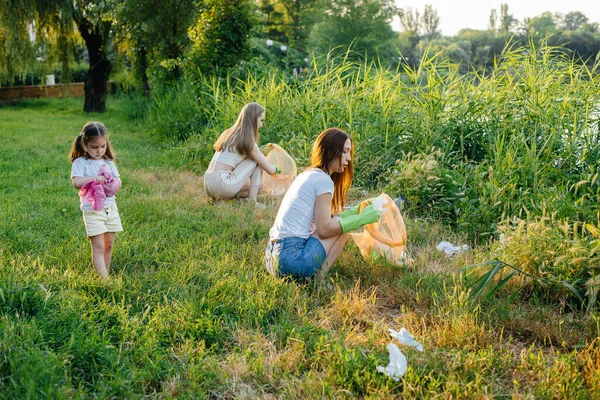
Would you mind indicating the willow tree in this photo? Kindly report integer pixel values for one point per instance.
(30, 29)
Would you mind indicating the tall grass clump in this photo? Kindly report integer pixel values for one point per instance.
(509, 142)
(557, 259)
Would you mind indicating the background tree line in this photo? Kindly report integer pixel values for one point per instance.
(145, 44)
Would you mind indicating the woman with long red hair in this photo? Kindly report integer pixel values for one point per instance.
(310, 229)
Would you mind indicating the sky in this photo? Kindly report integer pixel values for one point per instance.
(458, 14)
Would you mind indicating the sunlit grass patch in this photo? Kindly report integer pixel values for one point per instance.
(190, 311)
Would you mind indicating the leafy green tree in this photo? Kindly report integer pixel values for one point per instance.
(154, 34)
(539, 28)
(492, 27)
(574, 20)
(364, 24)
(94, 28)
(17, 51)
(290, 21)
(481, 48)
(507, 21)
(274, 20)
(591, 27)
(582, 43)
(431, 22)
(47, 29)
(408, 45)
(411, 22)
(219, 39)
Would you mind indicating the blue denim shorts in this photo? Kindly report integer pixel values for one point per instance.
(294, 256)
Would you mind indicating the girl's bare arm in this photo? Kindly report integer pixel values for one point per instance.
(261, 160)
(327, 225)
(79, 181)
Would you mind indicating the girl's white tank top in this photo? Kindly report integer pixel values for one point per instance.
(228, 157)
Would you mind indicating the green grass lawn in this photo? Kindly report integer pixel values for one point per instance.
(190, 311)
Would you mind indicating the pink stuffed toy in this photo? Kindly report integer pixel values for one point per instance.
(96, 192)
(112, 185)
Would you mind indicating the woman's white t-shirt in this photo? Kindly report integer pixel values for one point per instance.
(296, 216)
(86, 167)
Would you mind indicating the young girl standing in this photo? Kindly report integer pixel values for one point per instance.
(308, 235)
(236, 168)
(90, 152)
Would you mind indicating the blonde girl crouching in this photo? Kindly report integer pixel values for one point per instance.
(237, 165)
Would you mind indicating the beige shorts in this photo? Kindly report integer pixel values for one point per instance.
(225, 185)
(99, 222)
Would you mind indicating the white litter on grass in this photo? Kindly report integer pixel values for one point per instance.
(450, 249)
(406, 338)
(397, 366)
(378, 203)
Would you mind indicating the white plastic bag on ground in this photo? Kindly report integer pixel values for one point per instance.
(397, 366)
(450, 249)
(406, 338)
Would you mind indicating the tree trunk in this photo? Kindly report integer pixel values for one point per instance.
(96, 79)
(143, 66)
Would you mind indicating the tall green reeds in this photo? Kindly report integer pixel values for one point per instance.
(516, 140)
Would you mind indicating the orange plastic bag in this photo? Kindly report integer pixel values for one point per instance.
(278, 184)
(384, 241)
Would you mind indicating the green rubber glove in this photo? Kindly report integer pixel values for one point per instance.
(277, 169)
(352, 211)
(368, 216)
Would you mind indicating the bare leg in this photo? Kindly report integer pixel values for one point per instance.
(253, 194)
(109, 238)
(244, 192)
(333, 247)
(251, 188)
(98, 255)
(241, 180)
(228, 186)
(255, 183)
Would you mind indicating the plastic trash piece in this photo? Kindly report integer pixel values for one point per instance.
(379, 202)
(384, 241)
(451, 250)
(406, 338)
(278, 184)
(502, 239)
(400, 201)
(397, 366)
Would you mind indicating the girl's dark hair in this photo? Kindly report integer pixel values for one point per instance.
(89, 133)
(329, 147)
